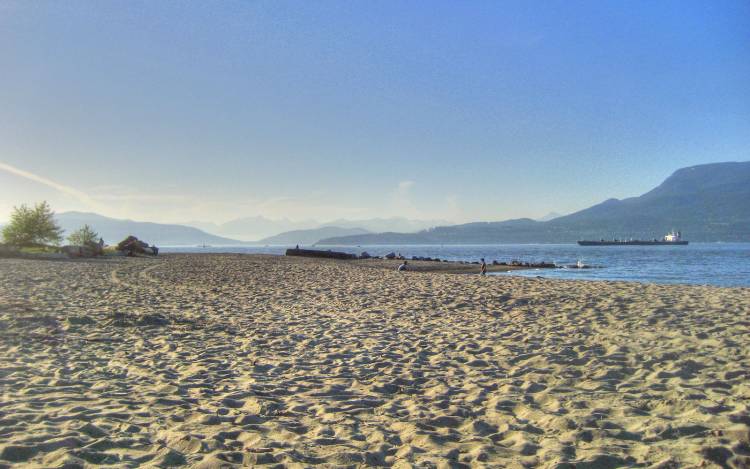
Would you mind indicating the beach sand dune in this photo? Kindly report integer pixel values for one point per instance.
(220, 360)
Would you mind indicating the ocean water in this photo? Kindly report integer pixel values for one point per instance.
(697, 263)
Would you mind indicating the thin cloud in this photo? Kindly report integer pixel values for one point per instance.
(122, 201)
(402, 204)
(121, 193)
(75, 193)
(405, 186)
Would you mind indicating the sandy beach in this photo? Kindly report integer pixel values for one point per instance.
(222, 360)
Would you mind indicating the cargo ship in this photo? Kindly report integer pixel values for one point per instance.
(673, 238)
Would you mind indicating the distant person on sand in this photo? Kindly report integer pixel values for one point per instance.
(483, 268)
(403, 267)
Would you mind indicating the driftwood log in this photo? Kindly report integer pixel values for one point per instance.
(324, 254)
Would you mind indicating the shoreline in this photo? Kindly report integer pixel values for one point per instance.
(719, 265)
(449, 267)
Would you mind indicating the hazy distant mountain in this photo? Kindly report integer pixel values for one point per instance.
(114, 230)
(312, 236)
(380, 225)
(206, 226)
(549, 216)
(707, 203)
(259, 228)
(253, 228)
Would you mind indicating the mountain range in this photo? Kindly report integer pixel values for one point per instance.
(114, 230)
(549, 216)
(707, 203)
(311, 236)
(253, 228)
(259, 229)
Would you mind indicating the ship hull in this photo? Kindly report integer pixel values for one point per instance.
(633, 243)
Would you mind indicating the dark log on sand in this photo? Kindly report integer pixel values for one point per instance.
(324, 254)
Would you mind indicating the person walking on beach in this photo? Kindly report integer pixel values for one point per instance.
(483, 268)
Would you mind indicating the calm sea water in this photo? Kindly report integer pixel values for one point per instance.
(703, 264)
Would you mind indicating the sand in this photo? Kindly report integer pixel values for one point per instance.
(220, 360)
(432, 266)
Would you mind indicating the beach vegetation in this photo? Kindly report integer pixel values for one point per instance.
(32, 227)
(40, 249)
(83, 236)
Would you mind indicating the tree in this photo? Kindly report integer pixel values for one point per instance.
(84, 236)
(32, 227)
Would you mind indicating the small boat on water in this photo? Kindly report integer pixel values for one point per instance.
(673, 238)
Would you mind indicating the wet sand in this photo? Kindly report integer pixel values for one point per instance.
(221, 360)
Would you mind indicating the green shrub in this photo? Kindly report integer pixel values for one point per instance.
(32, 227)
(84, 236)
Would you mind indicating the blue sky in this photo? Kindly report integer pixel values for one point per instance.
(176, 111)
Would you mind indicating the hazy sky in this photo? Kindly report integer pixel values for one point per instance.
(176, 111)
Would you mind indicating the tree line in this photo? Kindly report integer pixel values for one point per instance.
(36, 227)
